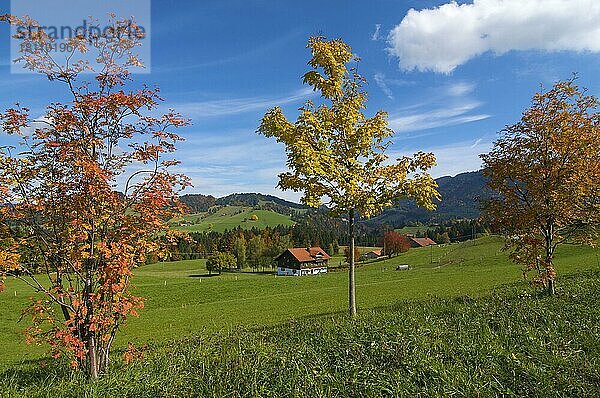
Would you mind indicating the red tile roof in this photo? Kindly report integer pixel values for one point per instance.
(423, 241)
(308, 254)
(377, 252)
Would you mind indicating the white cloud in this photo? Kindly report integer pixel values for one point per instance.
(380, 80)
(440, 117)
(460, 89)
(232, 161)
(440, 39)
(375, 36)
(233, 106)
(477, 142)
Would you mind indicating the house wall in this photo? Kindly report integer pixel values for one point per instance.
(369, 256)
(288, 261)
(283, 271)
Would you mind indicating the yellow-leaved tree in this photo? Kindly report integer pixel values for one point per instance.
(337, 155)
(546, 172)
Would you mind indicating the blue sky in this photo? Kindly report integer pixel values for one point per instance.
(450, 75)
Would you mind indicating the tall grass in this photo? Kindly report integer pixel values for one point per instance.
(508, 343)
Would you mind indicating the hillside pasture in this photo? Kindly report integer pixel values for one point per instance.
(181, 299)
(230, 217)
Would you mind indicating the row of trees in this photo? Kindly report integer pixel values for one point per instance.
(456, 231)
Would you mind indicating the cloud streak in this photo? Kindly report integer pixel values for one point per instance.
(442, 38)
(381, 83)
(440, 117)
(234, 106)
(375, 36)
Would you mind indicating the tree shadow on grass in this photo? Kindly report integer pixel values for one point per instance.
(202, 275)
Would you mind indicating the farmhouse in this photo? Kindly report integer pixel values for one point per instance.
(420, 242)
(302, 261)
(372, 255)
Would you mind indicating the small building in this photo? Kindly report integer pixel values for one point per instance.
(420, 242)
(372, 255)
(300, 261)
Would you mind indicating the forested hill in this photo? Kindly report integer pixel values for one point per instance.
(200, 203)
(254, 199)
(461, 196)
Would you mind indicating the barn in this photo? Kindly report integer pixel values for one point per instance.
(300, 261)
(421, 242)
(372, 255)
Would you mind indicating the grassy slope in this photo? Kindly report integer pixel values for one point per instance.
(412, 229)
(230, 217)
(509, 343)
(182, 300)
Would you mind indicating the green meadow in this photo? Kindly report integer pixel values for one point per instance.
(230, 217)
(182, 299)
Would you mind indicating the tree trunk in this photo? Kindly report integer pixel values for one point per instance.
(551, 290)
(93, 357)
(351, 284)
(550, 260)
(89, 336)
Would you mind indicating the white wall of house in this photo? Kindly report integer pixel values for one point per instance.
(282, 271)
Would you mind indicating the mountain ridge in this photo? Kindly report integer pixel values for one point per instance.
(461, 195)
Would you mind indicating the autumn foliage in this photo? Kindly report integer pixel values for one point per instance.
(337, 154)
(85, 194)
(545, 170)
(395, 243)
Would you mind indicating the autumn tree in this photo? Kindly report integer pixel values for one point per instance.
(545, 170)
(278, 245)
(337, 155)
(89, 188)
(395, 243)
(335, 248)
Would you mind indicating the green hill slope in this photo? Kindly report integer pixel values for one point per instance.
(181, 299)
(221, 218)
(464, 325)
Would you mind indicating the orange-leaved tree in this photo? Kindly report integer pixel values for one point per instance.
(395, 243)
(337, 154)
(545, 170)
(86, 192)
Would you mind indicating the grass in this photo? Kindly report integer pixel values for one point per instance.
(413, 229)
(181, 299)
(230, 217)
(507, 342)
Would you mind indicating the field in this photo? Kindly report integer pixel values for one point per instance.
(237, 332)
(230, 217)
(412, 229)
(181, 298)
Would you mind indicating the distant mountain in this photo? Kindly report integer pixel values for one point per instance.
(199, 203)
(254, 199)
(461, 196)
